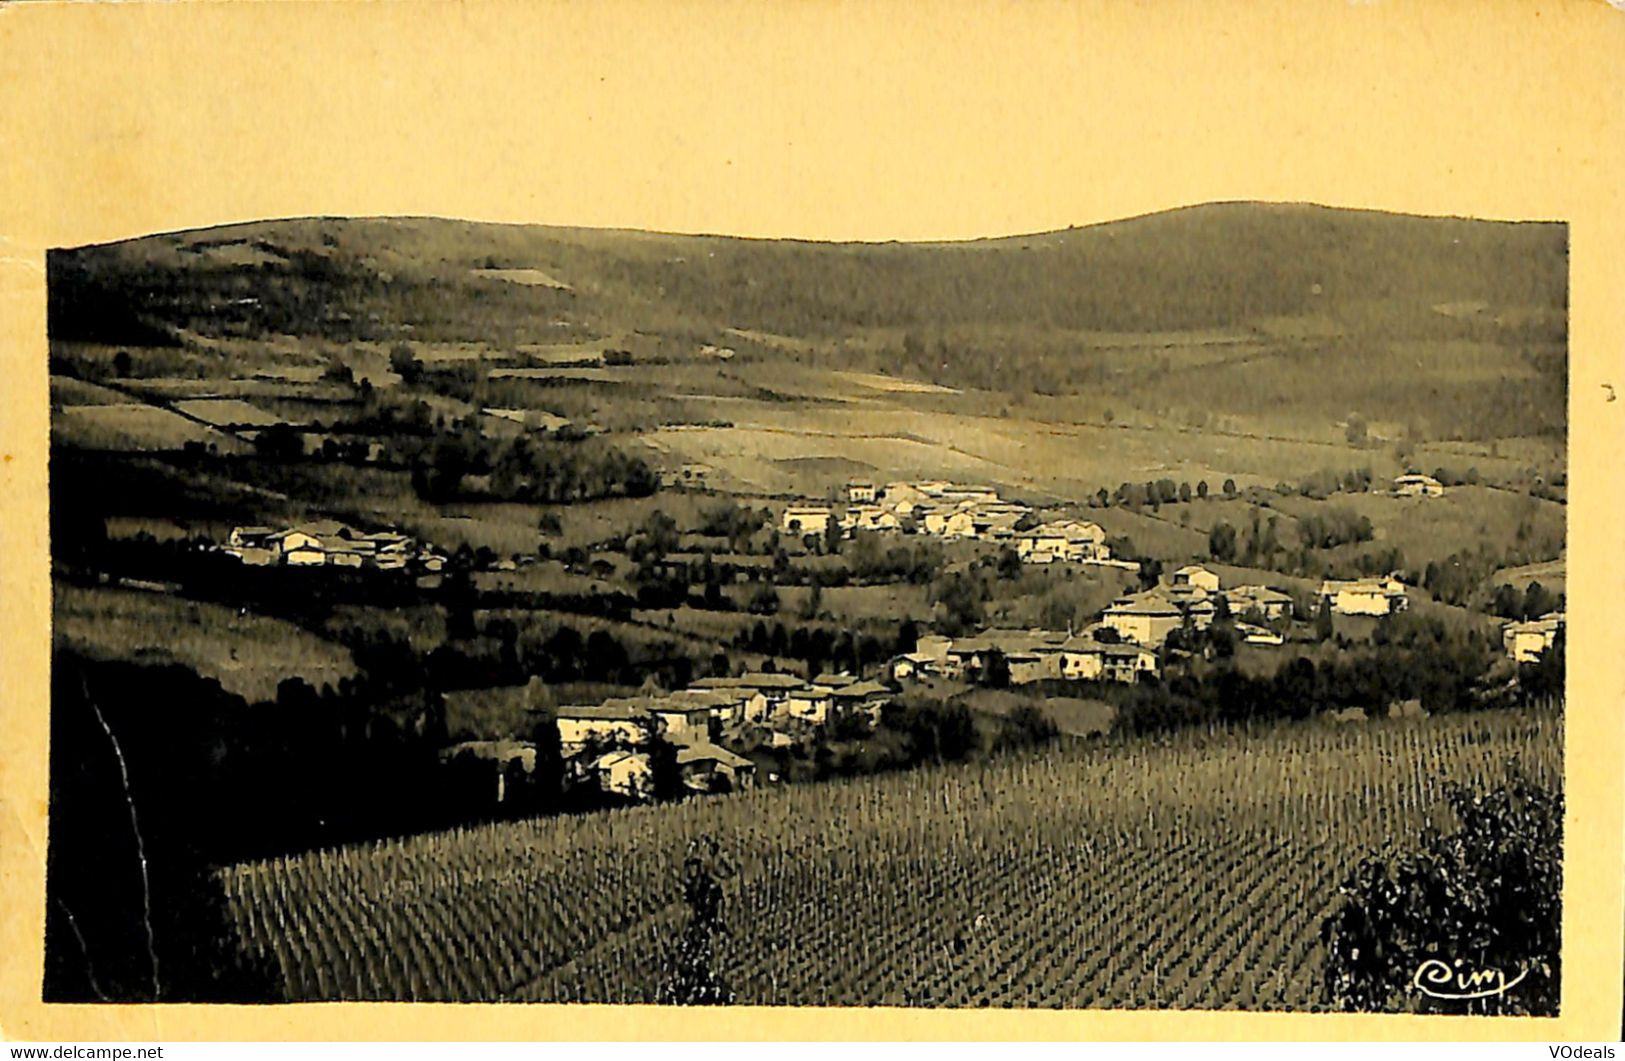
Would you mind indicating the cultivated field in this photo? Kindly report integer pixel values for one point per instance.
(247, 654)
(1190, 872)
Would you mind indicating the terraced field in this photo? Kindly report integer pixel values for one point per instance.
(1192, 872)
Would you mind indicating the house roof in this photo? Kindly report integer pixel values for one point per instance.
(1123, 651)
(1191, 569)
(1373, 584)
(1143, 604)
(1416, 477)
(615, 758)
(763, 680)
(862, 690)
(599, 712)
(699, 753)
(1258, 594)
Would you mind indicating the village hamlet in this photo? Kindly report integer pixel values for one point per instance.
(475, 612)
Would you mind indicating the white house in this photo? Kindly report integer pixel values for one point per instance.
(1198, 576)
(1067, 540)
(1082, 658)
(806, 519)
(1270, 603)
(1364, 596)
(624, 773)
(1147, 618)
(1415, 485)
(809, 703)
(607, 723)
(706, 767)
(1127, 663)
(870, 518)
(861, 493)
(1526, 642)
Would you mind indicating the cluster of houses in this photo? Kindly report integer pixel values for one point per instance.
(329, 543)
(951, 510)
(609, 743)
(1030, 655)
(1527, 641)
(1138, 625)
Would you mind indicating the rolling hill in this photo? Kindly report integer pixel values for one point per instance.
(1242, 307)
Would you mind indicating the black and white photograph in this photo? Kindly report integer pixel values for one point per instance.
(1164, 613)
(882, 522)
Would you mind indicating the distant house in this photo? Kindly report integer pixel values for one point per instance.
(809, 703)
(1258, 635)
(679, 722)
(910, 665)
(1364, 596)
(706, 767)
(1415, 485)
(618, 724)
(625, 773)
(1198, 576)
(861, 493)
(1201, 612)
(1526, 642)
(725, 705)
(867, 696)
(1147, 618)
(1063, 540)
(1127, 663)
(1270, 603)
(806, 519)
(870, 518)
(1082, 658)
(763, 693)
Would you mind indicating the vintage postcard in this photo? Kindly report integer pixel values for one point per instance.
(804, 520)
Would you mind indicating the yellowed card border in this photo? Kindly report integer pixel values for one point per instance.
(821, 120)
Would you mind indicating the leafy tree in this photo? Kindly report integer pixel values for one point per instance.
(121, 364)
(1184, 491)
(280, 442)
(405, 364)
(764, 600)
(1201, 489)
(1221, 542)
(1355, 431)
(1009, 563)
(1487, 896)
(1229, 488)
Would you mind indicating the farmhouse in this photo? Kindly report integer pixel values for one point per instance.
(1526, 642)
(706, 767)
(1270, 603)
(1127, 663)
(1147, 618)
(1364, 596)
(624, 773)
(913, 665)
(1065, 540)
(1197, 576)
(806, 519)
(809, 703)
(867, 696)
(677, 722)
(1082, 658)
(618, 724)
(870, 518)
(1258, 635)
(1414, 485)
(861, 493)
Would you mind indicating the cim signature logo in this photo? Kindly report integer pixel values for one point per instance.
(1440, 979)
